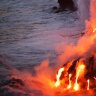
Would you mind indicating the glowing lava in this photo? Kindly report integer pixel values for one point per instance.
(58, 77)
(94, 30)
(88, 86)
(76, 86)
(79, 71)
(70, 85)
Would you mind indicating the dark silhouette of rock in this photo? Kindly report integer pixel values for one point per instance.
(65, 5)
(91, 71)
(72, 68)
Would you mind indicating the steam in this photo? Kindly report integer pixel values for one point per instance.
(83, 9)
(86, 44)
(41, 84)
(93, 14)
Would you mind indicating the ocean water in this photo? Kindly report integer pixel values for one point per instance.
(30, 32)
(30, 29)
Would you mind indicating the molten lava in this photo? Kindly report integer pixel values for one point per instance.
(58, 77)
(70, 83)
(94, 30)
(80, 74)
(88, 86)
(76, 86)
(79, 71)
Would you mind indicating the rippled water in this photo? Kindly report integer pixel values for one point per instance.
(30, 31)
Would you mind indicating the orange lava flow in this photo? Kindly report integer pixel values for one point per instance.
(94, 30)
(58, 77)
(79, 71)
(70, 85)
(76, 86)
(88, 86)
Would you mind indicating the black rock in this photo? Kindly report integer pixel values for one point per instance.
(72, 68)
(67, 4)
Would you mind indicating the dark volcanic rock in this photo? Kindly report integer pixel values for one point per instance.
(65, 5)
(72, 68)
